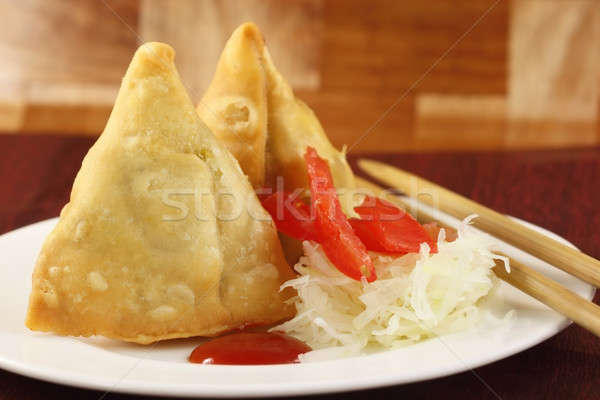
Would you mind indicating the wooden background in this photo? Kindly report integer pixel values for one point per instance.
(461, 74)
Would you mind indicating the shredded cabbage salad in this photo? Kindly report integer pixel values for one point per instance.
(416, 296)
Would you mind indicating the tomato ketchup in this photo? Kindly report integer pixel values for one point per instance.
(250, 348)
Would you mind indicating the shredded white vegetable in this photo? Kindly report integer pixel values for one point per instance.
(415, 297)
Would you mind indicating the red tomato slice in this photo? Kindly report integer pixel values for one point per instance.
(291, 215)
(365, 230)
(433, 230)
(337, 238)
(386, 228)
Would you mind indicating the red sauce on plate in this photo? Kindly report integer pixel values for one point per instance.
(250, 348)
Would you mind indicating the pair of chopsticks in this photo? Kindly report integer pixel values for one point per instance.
(524, 278)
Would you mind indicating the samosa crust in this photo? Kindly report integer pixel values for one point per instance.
(270, 136)
(235, 104)
(254, 112)
(163, 236)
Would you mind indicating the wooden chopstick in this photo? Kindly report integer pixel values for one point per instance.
(524, 278)
(576, 308)
(559, 255)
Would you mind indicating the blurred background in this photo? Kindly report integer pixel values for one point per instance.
(461, 74)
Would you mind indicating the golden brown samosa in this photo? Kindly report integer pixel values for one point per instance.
(245, 84)
(235, 104)
(163, 236)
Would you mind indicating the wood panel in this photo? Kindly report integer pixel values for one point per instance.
(461, 121)
(468, 74)
(71, 43)
(553, 96)
(198, 31)
(388, 46)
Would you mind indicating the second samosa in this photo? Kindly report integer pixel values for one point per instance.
(253, 110)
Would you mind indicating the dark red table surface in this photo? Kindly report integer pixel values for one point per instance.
(559, 190)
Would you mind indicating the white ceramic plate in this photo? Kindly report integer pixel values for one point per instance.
(162, 369)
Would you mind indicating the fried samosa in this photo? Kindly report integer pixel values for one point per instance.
(163, 236)
(253, 110)
(235, 104)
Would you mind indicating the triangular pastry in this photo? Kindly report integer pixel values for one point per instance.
(235, 104)
(245, 84)
(163, 236)
(293, 127)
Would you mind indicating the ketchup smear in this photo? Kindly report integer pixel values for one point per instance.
(250, 348)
